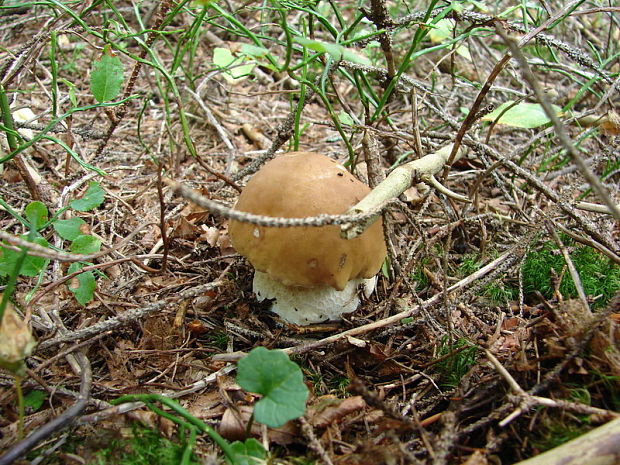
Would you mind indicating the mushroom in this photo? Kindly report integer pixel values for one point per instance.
(310, 273)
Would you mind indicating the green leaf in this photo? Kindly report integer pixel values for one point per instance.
(234, 69)
(85, 244)
(222, 57)
(32, 266)
(522, 115)
(202, 3)
(106, 78)
(280, 381)
(250, 452)
(69, 229)
(254, 51)
(83, 285)
(93, 197)
(441, 30)
(71, 92)
(36, 214)
(34, 399)
(336, 51)
(345, 118)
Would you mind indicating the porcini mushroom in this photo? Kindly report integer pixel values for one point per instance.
(311, 273)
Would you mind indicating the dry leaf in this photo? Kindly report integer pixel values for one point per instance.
(610, 126)
(329, 409)
(477, 458)
(384, 454)
(233, 426)
(16, 342)
(160, 333)
(209, 234)
(183, 229)
(207, 406)
(573, 318)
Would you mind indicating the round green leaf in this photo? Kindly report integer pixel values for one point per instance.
(85, 244)
(280, 381)
(69, 229)
(31, 266)
(93, 197)
(36, 214)
(83, 285)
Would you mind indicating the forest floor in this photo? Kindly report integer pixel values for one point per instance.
(505, 340)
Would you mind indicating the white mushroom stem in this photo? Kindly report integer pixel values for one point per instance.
(304, 306)
(397, 182)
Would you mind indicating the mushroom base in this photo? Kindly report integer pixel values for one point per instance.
(304, 306)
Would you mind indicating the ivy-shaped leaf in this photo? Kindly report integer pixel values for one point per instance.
(232, 65)
(336, 51)
(280, 381)
(254, 51)
(34, 399)
(522, 115)
(250, 452)
(345, 118)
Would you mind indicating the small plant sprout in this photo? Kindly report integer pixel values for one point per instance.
(73, 230)
(311, 272)
(267, 372)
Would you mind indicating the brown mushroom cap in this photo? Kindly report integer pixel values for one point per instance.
(297, 185)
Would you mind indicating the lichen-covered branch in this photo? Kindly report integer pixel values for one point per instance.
(397, 182)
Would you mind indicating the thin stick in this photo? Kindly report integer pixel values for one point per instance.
(594, 181)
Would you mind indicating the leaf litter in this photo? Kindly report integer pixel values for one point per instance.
(385, 396)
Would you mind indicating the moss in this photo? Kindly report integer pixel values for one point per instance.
(498, 292)
(144, 447)
(555, 432)
(455, 367)
(598, 274)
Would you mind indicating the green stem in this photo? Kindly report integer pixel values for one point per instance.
(21, 407)
(333, 116)
(5, 111)
(417, 38)
(52, 124)
(10, 285)
(148, 399)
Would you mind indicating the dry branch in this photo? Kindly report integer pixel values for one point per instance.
(397, 182)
